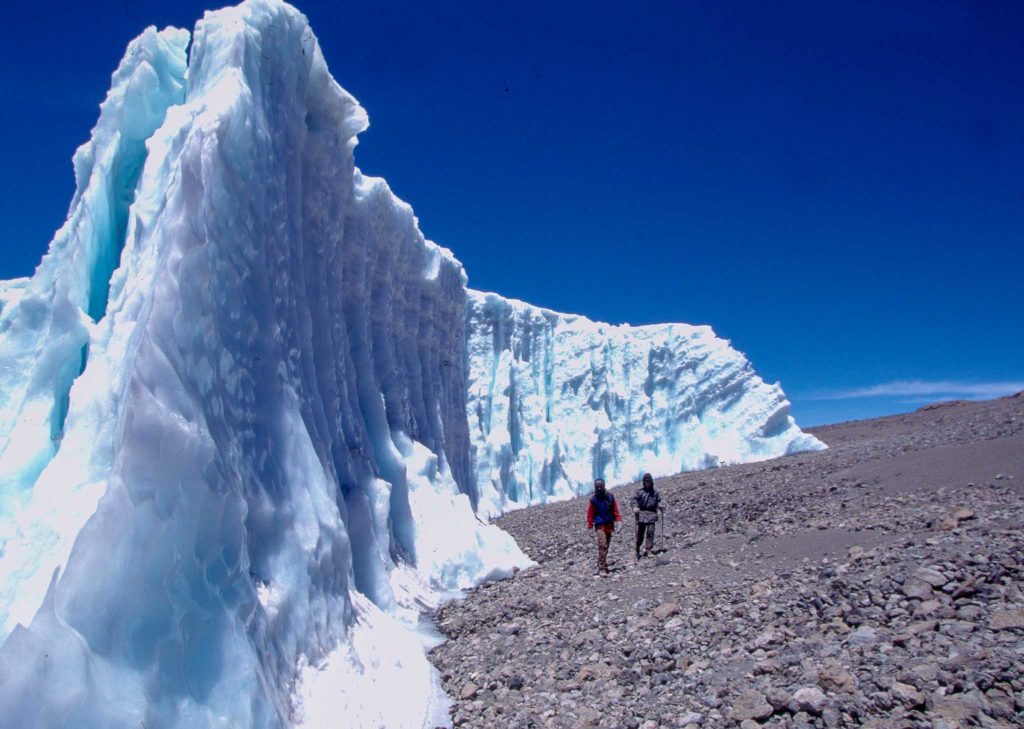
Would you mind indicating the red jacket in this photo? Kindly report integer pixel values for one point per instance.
(605, 527)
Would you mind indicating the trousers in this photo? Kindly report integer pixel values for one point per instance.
(604, 540)
(645, 536)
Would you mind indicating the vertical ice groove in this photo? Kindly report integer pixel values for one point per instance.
(45, 330)
(588, 412)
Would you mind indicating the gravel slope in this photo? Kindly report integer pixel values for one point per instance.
(878, 583)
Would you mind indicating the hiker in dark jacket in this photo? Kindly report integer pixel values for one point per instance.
(602, 514)
(646, 504)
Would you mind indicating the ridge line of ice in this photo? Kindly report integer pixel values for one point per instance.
(569, 316)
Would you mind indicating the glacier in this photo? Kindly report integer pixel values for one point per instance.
(557, 400)
(235, 455)
(252, 421)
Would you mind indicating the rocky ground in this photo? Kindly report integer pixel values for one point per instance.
(878, 583)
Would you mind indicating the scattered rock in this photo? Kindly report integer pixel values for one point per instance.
(1007, 620)
(833, 677)
(862, 636)
(926, 671)
(849, 608)
(750, 705)
(917, 589)
(948, 523)
(585, 716)
(809, 699)
(665, 611)
(953, 709)
(907, 694)
(931, 576)
(594, 672)
(923, 626)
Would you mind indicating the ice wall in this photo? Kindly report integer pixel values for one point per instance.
(233, 441)
(556, 400)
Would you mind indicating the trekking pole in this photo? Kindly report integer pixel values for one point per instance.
(636, 534)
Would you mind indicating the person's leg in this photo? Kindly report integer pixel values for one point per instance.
(602, 549)
(639, 537)
(648, 528)
(649, 542)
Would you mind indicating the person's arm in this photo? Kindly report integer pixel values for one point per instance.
(636, 503)
(590, 515)
(615, 509)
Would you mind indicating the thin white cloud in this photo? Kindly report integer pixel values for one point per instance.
(927, 389)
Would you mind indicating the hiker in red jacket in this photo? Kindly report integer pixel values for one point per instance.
(602, 514)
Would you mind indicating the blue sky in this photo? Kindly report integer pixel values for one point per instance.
(838, 188)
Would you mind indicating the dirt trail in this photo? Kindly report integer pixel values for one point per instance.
(878, 583)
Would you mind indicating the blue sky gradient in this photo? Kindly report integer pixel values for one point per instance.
(838, 188)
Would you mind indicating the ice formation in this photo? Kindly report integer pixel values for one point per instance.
(556, 400)
(250, 417)
(11, 291)
(233, 441)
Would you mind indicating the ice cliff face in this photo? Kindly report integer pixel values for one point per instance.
(557, 400)
(246, 410)
(234, 454)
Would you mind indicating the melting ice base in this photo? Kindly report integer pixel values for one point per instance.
(247, 410)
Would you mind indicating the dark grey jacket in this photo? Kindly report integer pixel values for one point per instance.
(647, 500)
